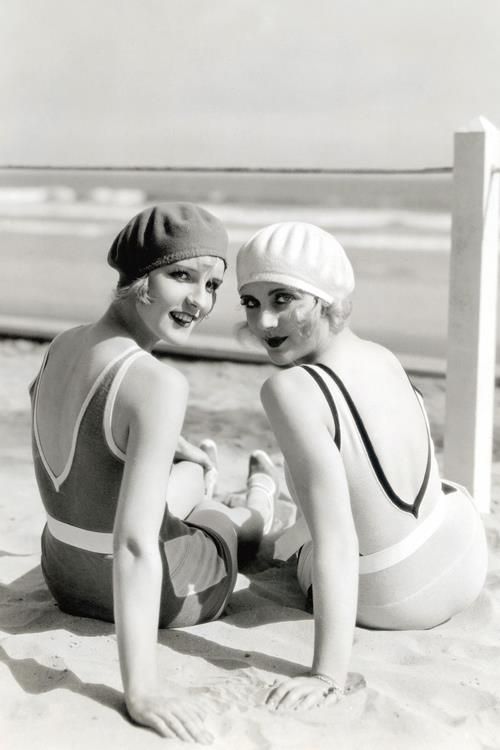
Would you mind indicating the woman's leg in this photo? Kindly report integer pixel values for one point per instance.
(188, 485)
(207, 570)
(254, 517)
(186, 488)
(186, 499)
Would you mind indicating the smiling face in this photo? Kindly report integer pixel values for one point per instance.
(181, 295)
(288, 322)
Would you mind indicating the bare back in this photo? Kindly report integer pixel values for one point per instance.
(77, 359)
(377, 437)
(390, 410)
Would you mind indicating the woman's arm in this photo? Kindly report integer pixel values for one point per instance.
(154, 398)
(300, 422)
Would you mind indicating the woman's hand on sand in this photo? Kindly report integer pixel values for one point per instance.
(182, 719)
(300, 694)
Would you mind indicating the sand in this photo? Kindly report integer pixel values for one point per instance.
(59, 675)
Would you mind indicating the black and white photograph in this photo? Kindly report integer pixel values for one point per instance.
(249, 390)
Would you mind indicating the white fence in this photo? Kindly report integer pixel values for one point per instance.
(470, 375)
(470, 365)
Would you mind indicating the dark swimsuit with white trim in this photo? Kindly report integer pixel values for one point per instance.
(198, 569)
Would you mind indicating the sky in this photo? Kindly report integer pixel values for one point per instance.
(304, 83)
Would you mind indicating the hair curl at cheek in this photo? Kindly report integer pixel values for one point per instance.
(138, 290)
(337, 314)
(306, 320)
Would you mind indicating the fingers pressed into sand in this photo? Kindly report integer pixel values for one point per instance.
(313, 700)
(171, 717)
(277, 692)
(156, 722)
(291, 699)
(187, 729)
(186, 725)
(297, 693)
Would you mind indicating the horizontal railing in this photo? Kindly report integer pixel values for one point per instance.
(226, 170)
(470, 362)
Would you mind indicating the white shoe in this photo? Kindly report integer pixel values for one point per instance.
(267, 481)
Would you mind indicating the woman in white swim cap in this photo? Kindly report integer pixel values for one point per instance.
(381, 540)
(303, 258)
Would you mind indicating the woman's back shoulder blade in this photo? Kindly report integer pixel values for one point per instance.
(151, 382)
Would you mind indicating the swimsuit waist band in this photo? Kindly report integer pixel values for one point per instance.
(298, 535)
(91, 541)
(394, 554)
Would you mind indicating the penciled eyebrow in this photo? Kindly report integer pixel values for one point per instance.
(285, 289)
(183, 266)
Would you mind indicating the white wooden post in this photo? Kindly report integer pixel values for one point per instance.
(470, 377)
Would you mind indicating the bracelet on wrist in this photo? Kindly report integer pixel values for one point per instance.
(333, 687)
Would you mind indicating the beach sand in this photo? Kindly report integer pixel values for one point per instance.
(59, 675)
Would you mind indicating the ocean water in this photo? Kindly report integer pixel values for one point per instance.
(56, 227)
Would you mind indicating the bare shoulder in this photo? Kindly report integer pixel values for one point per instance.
(156, 376)
(382, 355)
(300, 419)
(291, 381)
(152, 386)
(293, 390)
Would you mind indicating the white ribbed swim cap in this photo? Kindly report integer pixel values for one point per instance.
(297, 254)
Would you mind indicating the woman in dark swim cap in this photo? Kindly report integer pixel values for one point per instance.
(132, 534)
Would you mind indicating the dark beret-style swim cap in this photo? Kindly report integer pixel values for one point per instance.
(165, 234)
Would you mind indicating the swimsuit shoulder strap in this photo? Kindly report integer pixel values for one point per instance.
(410, 507)
(329, 399)
(58, 479)
(117, 378)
